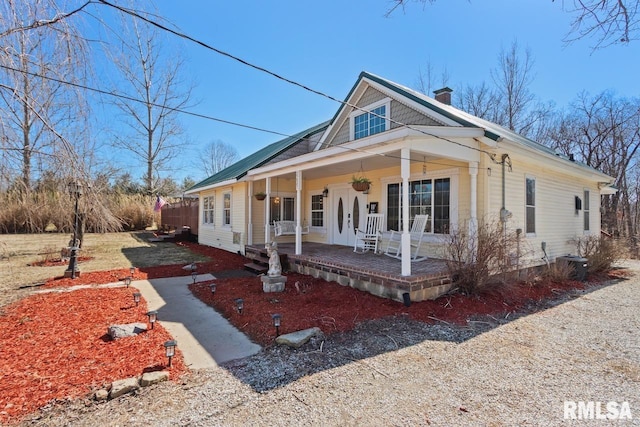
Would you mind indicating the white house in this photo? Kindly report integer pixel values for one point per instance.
(418, 152)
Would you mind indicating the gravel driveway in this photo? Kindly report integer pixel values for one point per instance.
(396, 372)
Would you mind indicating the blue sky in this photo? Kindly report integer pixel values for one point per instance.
(326, 44)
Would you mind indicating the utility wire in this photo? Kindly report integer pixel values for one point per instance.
(203, 116)
(280, 77)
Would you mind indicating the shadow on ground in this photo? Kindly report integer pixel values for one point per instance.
(277, 366)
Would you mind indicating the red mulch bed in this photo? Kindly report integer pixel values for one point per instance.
(336, 308)
(55, 346)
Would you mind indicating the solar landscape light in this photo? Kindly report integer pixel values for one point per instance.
(132, 271)
(276, 322)
(194, 267)
(239, 304)
(170, 349)
(213, 288)
(153, 316)
(127, 281)
(136, 297)
(194, 275)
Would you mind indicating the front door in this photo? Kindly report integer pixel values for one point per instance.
(349, 211)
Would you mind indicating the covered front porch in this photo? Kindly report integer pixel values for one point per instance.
(374, 273)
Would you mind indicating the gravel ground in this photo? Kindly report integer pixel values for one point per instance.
(493, 372)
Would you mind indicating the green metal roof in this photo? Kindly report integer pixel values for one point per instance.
(259, 158)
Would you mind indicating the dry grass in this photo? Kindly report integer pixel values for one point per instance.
(109, 251)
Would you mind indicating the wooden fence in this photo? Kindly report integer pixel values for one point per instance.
(176, 216)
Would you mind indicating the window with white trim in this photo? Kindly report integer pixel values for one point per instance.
(426, 196)
(585, 211)
(530, 205)
(317, 210)
(208, 210)
(373, 120)
(226, 209)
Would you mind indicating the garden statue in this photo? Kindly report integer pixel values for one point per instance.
(275, 269)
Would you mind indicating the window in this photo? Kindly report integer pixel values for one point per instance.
(426, 196)
(586, 210)
(226, 210)
(208, 210)
(282, 208)
(372, 121)
(530, 213)
(317, 210)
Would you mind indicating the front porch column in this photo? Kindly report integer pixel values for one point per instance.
(473, 211)
(267, 211)
(405, 170)
(298, 212)
(250, 213)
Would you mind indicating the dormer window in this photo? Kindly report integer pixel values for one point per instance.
(374, 120)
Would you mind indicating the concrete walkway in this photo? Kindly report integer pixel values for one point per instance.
(203, 335)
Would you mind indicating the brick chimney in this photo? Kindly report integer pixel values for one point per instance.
(443, 95)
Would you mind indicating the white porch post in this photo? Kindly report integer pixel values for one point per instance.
(250, 212)
(298, 212)
(405, 170)
(267, 212)
(473, 211)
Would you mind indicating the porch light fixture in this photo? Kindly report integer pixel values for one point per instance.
(239, 304)
(213, 288)
(136, 298)
(132, 271)
(153, 316)
(170, 349)
(276, 322)
(127, 281)
(194, 276)
(325, 192)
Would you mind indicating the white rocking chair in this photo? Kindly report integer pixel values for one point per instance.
(369, 237)
(394, 246)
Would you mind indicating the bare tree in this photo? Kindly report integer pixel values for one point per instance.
(481, 101)
(608, 21)
(512, 79)
(425, 81)
(218, 155)
(152, 73)
(40, 115)
(603, 131)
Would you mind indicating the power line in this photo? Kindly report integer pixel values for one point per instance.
(130, 98)
(199, 115)
(278, 76)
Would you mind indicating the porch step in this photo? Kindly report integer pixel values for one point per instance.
(256, 268)
(260, 259)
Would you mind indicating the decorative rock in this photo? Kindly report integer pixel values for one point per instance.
(120, 387)
(127, 330)
(299, 338)
(149, 378)
(273, 283)
(102, 394)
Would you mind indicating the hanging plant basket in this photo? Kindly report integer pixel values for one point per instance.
(361, 185)
(260, 196)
